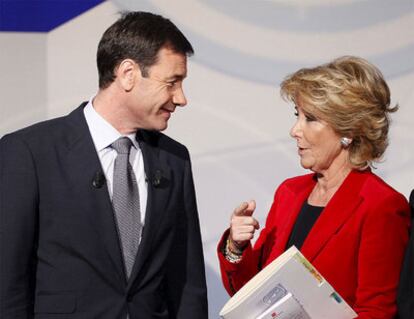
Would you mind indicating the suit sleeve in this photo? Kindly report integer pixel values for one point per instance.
(236, 275)
(384, 236)
(186, 282)
(18, 219)
(405, 299)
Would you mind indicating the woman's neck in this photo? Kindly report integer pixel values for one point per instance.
(328, 183)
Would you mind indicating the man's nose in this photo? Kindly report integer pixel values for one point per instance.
(179, 98)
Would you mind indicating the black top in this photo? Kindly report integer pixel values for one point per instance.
(304, 223)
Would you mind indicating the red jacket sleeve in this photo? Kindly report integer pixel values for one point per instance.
(236, 275)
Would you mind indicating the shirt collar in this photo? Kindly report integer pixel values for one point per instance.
(102, 132)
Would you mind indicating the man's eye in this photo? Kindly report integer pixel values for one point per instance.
(172, 84)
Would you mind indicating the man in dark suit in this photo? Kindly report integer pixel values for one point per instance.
(405, 298)
(98, 216)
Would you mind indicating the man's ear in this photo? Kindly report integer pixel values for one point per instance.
(126, 74)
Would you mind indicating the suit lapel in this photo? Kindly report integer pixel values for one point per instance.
(339, 209)
(291, 204)
(83, 164)
(158, 174)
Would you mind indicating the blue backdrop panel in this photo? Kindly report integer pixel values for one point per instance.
(40, 15)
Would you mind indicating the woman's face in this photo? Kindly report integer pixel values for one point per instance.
(318, 145)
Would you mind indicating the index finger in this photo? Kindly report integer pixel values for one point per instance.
(244, 209)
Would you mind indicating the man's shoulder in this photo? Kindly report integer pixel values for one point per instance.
(45, 131)
(38, 128)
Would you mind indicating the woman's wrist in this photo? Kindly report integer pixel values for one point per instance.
(234, 247)
(232, 252)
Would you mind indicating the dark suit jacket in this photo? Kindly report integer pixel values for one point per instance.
(60, 255)
(357, 243)
(406, 288)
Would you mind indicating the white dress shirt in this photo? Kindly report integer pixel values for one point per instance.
(103, 135)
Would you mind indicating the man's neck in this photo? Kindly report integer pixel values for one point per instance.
(109, 105)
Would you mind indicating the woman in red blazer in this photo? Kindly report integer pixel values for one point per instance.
(349, 223)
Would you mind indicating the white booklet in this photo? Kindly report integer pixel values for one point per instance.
(288, 288)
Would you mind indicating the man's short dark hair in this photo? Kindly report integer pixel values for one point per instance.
(137, 36)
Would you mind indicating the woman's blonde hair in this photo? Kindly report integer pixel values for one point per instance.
(351, 95)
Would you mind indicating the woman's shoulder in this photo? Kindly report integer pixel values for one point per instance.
(375, 187)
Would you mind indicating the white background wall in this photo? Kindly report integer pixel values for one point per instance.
(236, 126)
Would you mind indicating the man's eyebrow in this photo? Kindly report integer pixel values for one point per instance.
(176, 77)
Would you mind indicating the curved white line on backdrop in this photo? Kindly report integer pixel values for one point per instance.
(233, 33)
(227, 116)
(323, 19)
(313, 3)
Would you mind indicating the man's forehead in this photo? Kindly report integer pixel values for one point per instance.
(173, 57)
(171, 63)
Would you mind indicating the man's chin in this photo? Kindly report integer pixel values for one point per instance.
(155, 126)
(161, 127)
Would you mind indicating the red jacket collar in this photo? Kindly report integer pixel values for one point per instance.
(335, 214)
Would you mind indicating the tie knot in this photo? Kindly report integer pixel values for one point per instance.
(122, 145)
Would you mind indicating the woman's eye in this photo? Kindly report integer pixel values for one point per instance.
(296, 113)
(310, 118)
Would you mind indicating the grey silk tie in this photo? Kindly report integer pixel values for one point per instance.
(125, 200)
